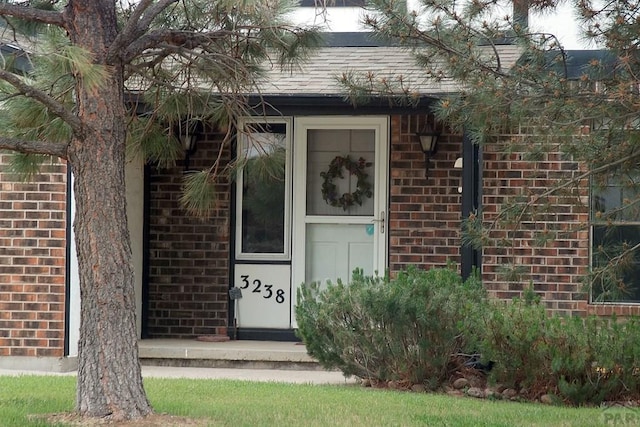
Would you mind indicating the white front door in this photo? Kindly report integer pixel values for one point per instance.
(340, 199)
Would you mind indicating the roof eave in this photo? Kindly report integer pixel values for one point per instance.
(339, 104)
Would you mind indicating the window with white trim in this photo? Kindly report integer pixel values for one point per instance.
(615, 239)
(263, 189)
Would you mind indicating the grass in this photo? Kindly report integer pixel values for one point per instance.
(242, 403)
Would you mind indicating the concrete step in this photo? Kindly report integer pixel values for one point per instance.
(228, 354)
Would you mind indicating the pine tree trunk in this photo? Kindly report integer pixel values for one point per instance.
(109, 373)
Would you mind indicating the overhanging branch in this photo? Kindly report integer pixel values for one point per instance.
(137, 24)
(186, 39)
(32, 14)
(54, 106)
(55, 149)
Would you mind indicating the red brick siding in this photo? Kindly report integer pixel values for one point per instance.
(32, 262)
(189, 257)
(555, 269)
(425, 219)
(424, 213)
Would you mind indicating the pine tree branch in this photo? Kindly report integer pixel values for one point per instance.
(573, 181)
(34, 147)
(32, 14)
(186, 39)
(54, 106)
(137, 24)
(585, 175)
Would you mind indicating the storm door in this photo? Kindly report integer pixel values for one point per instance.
(340, 198)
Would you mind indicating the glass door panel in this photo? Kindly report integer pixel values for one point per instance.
(340, 198)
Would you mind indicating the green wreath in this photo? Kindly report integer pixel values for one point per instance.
(336, 167)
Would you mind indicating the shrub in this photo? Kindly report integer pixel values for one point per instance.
(514, 338)
(405, 329)
(582, 360)
(413, 328)
(596, 359)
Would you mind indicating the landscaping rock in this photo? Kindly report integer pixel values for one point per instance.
(491, 393)
(476, 382)
(460, 383)
(509, 393)
(418, 388)
(366, 382)
(475, 392)
(547, 399)
(500, 388)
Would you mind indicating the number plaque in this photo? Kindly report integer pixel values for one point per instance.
(265, 300)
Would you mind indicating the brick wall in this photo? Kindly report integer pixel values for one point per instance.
(425, 213)
(425, 219)
(32, 262)
(555, 268)
(188, 257)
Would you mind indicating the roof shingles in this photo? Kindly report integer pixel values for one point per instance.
(319, 75)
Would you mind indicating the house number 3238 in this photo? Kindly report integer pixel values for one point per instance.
(258, 288)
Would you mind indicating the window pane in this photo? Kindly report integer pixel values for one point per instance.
(263, 189)
(612, 248)
(332, 189)
(618, 200)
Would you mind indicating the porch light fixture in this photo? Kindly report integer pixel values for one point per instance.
(187, 137)
(429, 144)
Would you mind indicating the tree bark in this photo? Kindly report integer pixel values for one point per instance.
(109, 373)
(521, 13)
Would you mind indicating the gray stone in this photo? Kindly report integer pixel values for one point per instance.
(418, 388)
(547, 399)
(475, 392)
(460, 383)
(490, 393)
(508, 393)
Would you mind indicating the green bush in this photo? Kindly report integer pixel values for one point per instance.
(515, 340)
(405, 329)
(582, 360)
(414, 327)
(596, 359)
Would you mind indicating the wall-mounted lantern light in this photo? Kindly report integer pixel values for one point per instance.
(187, 137)
(458, 165)
(429, 144)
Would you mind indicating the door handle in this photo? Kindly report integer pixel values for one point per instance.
(381, 221)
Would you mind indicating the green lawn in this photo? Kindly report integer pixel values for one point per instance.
(238, 403)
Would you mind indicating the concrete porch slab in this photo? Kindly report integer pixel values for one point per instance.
(228, 354)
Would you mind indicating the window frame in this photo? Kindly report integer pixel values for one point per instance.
(594, 222)
(285, 255)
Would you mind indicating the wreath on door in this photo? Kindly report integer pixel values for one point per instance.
(336, 170)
